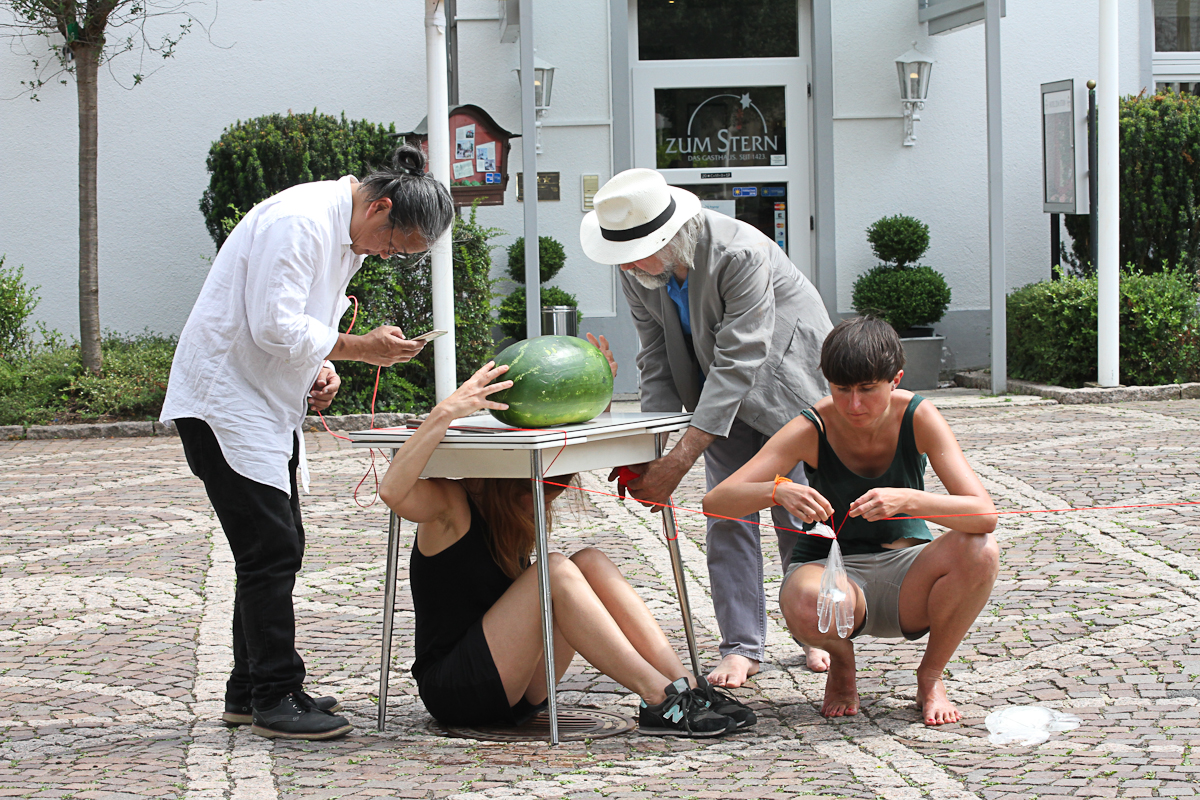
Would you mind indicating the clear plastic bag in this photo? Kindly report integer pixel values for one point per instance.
(834, 602)
(1027, 725)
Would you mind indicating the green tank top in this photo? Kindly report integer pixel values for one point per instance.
(841, 487)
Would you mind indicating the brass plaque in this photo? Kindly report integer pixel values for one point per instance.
(548, 186)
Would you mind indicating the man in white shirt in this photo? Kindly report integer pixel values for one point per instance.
(255, 354)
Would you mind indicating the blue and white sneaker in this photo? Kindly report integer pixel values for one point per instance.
(684, 713)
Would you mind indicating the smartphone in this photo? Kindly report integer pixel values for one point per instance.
(428, 336)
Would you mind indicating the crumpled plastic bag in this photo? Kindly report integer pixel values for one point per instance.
(834, 601)
(1027, 725)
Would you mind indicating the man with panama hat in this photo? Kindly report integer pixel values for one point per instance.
(731, 331)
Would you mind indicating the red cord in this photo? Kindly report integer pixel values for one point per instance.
(371, 469)
(815, 532)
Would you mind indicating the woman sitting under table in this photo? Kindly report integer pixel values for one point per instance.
(478, 613)
(864, 450)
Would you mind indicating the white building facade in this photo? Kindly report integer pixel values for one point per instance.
(785, 113)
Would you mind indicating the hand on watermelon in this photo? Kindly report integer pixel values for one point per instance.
(476, 391)
(602, 345)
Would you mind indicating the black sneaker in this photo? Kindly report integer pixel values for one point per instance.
(684, 713)
(243, 713)
(298, 717)
(727, 706)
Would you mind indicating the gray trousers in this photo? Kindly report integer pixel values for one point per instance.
(735, 567)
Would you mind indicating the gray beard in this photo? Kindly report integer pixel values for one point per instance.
(651, 281)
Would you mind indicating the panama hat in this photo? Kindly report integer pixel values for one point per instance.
(636, 214)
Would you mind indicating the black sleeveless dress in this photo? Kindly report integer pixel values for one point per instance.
(454, 670)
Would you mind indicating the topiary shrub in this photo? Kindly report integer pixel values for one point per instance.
(17, 302)
(898, 240)
(902, 296)
(1159, 186)
(398, 292)
(551, 258)
(262, 156)
(1052, 329)
(512, 309)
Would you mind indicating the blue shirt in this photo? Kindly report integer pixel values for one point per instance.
(679, 294)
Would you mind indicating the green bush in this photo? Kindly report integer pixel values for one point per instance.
(49, 383)
(903, 297)
(17, 302)
(398, 292)
(512, 310)
(551, 258)
(262, 156)
(1159, 185)
(133, 381)
(1052, 329)
(898, 240)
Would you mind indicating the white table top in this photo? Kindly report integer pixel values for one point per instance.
(486, 432)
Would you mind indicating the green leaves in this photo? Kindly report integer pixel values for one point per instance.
(1052, 329)
(551, 258)
(17, 302)
(903, 297)
(1160, 186)
(255, 159)
(898, 240)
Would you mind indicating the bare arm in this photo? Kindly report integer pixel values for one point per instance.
(438, 506)
(966, 494)
(383, 347)
(749, 489)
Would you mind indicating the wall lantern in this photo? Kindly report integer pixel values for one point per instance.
(543, 85)
(913, 69)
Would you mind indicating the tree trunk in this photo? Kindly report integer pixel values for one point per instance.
(87, 64)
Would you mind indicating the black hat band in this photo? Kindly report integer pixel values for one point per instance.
(629, 234)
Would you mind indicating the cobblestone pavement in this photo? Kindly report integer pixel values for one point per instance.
(115, 591)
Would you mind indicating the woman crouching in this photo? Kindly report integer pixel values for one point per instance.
(864, 450)
(478, 614)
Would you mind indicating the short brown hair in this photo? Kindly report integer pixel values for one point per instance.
(861, 350)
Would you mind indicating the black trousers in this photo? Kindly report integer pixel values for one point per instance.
(266, 536)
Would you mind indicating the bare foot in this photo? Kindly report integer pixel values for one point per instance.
(841, 689)
(733, 671)
(818, 659)
(935, 706)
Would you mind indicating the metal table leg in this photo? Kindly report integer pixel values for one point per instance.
(685, 609)
(389, 611)
(543, 570)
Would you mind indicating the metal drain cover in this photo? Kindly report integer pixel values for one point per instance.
(574, 724)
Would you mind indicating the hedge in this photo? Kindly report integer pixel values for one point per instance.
(1052, 329)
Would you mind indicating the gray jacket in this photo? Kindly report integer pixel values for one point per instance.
(757, 329)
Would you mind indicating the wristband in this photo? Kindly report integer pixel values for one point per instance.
(778, 480)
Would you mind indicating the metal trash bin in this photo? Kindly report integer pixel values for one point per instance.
(560, 321)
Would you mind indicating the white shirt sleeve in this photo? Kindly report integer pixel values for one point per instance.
(281, 267)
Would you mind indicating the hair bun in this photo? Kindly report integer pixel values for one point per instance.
(409, 159)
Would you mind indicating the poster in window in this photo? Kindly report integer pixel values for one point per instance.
(742, 126)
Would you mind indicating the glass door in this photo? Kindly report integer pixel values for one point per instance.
(720, 107)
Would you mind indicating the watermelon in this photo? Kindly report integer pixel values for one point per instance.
(557, 380)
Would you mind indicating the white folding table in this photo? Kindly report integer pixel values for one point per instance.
(483, 447)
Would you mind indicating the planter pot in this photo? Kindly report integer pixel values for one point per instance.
(561, 321)
(922, 362)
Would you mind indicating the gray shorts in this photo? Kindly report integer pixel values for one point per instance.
(879, 575)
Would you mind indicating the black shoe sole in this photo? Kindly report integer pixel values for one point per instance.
(267, 733)
(232, 719)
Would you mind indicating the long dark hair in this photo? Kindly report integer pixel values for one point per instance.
(511, 525)
(419, 202)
